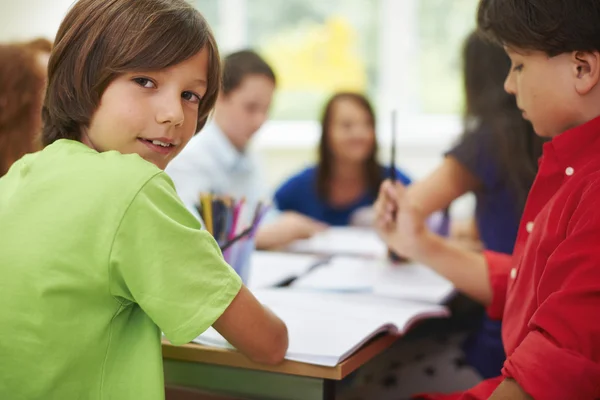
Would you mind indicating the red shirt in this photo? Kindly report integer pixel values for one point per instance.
(548, 293)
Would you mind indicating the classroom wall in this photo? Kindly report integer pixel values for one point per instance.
(25, 19)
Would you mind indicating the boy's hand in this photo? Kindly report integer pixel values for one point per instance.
(400, 222)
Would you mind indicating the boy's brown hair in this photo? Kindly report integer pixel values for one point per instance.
(238, 65)
(100, 39)
(551, 26)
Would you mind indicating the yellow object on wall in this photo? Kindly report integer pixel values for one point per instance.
(318, 57)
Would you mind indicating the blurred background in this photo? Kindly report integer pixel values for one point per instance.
(405, 54)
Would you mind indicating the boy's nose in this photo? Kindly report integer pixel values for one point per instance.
(509, 85)
(170, 112)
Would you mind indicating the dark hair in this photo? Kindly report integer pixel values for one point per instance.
(100, 39)
(240, 64)
(514, 144)
(552, 26)
(21, 92)
(325, 161)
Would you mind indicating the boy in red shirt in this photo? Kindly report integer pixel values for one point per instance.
(548, 293)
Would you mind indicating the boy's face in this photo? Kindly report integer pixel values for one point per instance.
(151, 113)
(547, 89)
(241, 112)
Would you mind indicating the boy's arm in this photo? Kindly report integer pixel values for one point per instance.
(560, 355)
(484, 277)
(400, 222)
(253, 329)
(510, 390)
(161, 260)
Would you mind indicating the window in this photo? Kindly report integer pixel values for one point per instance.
(404, 54)
(316, 48)
(443, 26)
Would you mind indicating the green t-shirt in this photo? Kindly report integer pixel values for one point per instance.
(97, 256)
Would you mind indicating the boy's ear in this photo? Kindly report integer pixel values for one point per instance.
(587, 70)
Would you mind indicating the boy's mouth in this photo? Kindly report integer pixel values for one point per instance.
(159, 146)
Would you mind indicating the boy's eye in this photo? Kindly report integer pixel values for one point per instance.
(144, 82)
(191, 97)
(518, 67)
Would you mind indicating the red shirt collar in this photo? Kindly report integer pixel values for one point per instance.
(575, 146)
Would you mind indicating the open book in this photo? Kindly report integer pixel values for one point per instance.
(349, 241)
(268, 269)
(408, 281)
(326, 328)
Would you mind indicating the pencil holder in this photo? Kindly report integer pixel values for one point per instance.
(238, 257)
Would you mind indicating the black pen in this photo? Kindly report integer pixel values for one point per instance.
(393, 176)
(230, 243)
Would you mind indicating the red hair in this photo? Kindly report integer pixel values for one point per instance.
(22, 81)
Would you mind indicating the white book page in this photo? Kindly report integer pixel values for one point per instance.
(415, 282)
(343, 274)
(349, 241)
(325, 328)
(268, 269)
(409, 281)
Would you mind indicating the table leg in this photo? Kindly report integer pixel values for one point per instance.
(329, 389)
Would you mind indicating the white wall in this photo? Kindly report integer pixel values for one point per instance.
(25, 19)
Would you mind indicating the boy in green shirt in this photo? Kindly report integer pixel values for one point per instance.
(97, 253)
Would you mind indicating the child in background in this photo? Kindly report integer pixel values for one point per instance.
(348, 174)
(547, 293)
(98, 255)
(219, 161)
(22, 79)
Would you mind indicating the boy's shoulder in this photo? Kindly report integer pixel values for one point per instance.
(75, 158)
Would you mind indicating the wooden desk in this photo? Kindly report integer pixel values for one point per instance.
(229, 372)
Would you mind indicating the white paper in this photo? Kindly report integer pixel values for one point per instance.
(326, 328)
(413, 281)
(407, 281)
(269, 269)
(350, 241)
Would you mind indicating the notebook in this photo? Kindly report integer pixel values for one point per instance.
(326, 328)
(268, 269)
(409, 281)
(350, 241)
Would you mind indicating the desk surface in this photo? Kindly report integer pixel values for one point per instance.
(209, 355)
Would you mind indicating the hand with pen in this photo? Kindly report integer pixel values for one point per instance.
(400, 222)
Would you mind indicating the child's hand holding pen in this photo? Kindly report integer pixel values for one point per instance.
(400, 222)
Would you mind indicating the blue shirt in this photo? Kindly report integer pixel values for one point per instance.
(299, 194)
